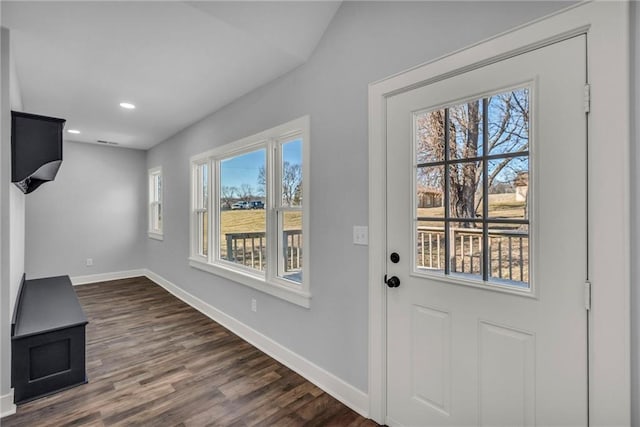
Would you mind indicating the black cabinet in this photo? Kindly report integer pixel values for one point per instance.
(48, 339)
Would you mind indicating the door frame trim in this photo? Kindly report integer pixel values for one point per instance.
(607, 26)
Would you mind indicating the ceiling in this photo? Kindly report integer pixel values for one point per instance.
(176, 61)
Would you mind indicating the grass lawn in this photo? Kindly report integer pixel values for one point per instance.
(249, 221)
(500, 206)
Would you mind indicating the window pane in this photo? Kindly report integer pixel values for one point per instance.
(157, 188)
(453, 233)
(291, 173)
(509, 254)
(508, 114)
(430, 246)
(465, 190)
(202, 181)
(156, 217)
(465, 239)
(290, 263)
(202, 224)
(430, 192)
(201, 207)
(465, 130)
(155, 208)
(242, 223)
(509, 188)
(429, 128)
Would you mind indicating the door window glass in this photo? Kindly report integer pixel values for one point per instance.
(472, 197)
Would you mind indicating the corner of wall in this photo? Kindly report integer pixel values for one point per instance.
(12, 219)
(5, 182)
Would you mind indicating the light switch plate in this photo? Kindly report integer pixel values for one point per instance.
(360, 235)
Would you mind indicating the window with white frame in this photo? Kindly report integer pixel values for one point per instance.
(250, 211)
(155, 203)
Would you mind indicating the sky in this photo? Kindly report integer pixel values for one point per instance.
(244, 169)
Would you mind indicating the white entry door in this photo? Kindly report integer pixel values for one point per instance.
(487, 248)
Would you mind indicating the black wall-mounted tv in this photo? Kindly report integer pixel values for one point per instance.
(36, 149)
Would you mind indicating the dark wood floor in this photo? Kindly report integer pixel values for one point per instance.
(153, 360)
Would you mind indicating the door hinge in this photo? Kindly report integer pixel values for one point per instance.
(587, 295)
(587, 98)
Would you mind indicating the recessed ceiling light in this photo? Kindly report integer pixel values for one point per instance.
(74, 131)
(127, 105)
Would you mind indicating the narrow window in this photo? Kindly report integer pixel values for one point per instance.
(289, 210)
(155, 203)
(201, 208)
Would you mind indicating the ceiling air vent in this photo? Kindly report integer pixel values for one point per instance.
(102, 141)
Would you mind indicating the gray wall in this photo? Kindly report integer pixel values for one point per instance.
(17, 202)
(5, 164)
(635, 215)
(95, 208)
(12, 208)
(365, 42)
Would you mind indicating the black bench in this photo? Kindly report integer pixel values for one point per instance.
(47, 339)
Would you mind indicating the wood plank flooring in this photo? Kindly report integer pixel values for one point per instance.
(154, 360)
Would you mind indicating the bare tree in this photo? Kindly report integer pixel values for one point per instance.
(508, 131)
(245, 192)
(262, 182)
(228, 194)
(297, 197)
(291, 183)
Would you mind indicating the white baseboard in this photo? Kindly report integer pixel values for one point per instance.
(103, 277)
(344, 392)
(7, 406)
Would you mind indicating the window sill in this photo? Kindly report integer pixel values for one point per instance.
(284, 292)
(156, 236)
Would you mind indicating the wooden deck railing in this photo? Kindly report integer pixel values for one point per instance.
(249, 249)
(508, 252)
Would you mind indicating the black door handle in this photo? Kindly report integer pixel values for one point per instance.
(392, 282)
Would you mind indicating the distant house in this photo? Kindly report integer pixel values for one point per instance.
(429, 197)
(522, 186)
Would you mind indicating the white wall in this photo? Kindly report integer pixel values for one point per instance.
(365, 42)
(95, 208)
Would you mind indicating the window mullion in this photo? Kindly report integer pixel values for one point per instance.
(213, 202)
(447, 188)
(193, 223)
(486, 268)
(279, 220)
(272, 174)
